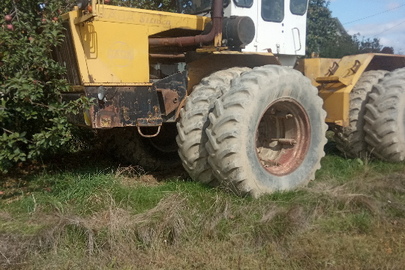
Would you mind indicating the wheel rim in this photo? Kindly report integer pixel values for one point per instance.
(283, 137)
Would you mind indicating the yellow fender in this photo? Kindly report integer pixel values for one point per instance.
(336, 78)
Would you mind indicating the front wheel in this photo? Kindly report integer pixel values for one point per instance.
(267, 133)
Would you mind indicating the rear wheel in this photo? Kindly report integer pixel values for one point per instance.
(267, 133)
(193, 121)
(350, 140)
(385, 118)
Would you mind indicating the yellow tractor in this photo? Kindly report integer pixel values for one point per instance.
(218, 84)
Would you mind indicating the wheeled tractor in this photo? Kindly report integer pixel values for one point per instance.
(219, 85)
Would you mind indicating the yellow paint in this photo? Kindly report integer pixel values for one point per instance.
(113, 48)
(335, 88)
(336, 95)
(315, 67)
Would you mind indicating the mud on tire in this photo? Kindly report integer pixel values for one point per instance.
(385, 118)
(193, 121)
(267, 133)
(351, 140)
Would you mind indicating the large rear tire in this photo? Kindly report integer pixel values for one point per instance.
(385, 118)
(267, 133)
(351, 140)
(193, 121)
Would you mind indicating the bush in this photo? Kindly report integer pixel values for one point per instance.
(32, 117)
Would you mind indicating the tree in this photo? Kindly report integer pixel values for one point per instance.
(327, 37)
(367, 45)
(322, 29)
(32, 118)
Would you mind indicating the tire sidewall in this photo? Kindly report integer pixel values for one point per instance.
(276, 88)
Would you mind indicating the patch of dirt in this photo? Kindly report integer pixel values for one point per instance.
(136, 174)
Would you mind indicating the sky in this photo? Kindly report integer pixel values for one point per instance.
(383, 19)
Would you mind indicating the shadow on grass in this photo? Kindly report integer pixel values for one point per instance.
(17, 181)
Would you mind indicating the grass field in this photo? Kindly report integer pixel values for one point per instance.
(82, 213)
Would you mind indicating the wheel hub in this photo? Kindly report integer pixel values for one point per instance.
(283, 136)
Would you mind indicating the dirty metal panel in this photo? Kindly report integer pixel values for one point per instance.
(171, 91)
(123, 106)
(388, 62)
(171, 100)
(149, 122)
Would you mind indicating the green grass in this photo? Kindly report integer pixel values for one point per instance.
(351, 216)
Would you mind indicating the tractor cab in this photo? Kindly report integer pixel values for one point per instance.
(280, 25)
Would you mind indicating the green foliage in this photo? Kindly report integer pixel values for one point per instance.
(367, 45)
(321, 28)
(32, 118)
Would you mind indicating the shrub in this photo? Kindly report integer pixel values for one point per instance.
(32, 117)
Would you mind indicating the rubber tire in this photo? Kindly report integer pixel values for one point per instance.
(235, 120)
(193, 121)
(385, 118)
(128, 147)
(351, 140)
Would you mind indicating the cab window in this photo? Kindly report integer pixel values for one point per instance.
(243, 3)
(298, 7)
(273, 10)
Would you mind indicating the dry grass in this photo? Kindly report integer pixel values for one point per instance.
(354, 223)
